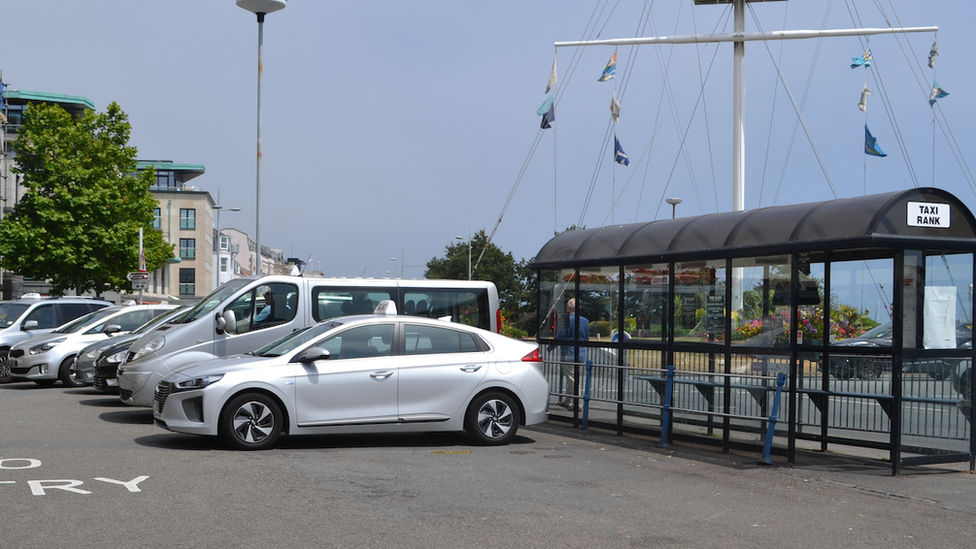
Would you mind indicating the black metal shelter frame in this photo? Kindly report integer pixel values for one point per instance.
(769, 290)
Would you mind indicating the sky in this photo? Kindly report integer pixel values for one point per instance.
(390, 128)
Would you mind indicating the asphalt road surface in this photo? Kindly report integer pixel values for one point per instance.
(78, 469)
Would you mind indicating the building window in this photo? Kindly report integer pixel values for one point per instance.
(188, 281)
(224, 261)
(188, 219)
(157, 221)
(188, 248)
(165, 180)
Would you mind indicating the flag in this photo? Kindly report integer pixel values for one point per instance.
(933, 53)
(611, 70)
(619, 156)
(615, 108)
(863, 105)
(871, 144)
(549, 117)
(937, 93)
(552, 76)
(864, 60)
(546, 105)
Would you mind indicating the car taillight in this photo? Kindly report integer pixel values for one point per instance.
(498, 320)
(533, 356)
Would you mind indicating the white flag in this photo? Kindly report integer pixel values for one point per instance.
(552, 76)
(615, 108)
(863, 105)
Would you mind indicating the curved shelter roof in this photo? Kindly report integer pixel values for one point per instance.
(926, 218)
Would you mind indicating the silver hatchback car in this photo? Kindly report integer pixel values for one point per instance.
(361, 374)
(47, 358)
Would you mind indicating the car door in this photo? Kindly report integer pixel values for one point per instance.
(264, 314)
(439, 370)
(356, 384)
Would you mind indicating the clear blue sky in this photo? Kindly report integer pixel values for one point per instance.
(390, 127)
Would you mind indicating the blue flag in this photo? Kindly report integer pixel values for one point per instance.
(619, 156)
(611, 70)
(546, 105)
(871, 144)
(937, 93)
(863, 60)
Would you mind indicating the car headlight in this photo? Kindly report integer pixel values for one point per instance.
(116, 358)
(92, 355)
(46, 346)
(152, 346)
(196, 383)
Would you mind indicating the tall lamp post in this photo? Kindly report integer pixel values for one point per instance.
(469, 253)
(674, 204)
(260, 8)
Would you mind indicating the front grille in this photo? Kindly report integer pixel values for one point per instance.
(125, 394)
(100, 384)
(20, 371)
(128, 357)
(162, 391)
(14, 353)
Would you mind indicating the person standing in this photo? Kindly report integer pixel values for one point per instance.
(569, 356)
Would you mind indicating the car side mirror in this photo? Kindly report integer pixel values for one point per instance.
(112, 329)
(230, 321)
(29, 325)
(311, 355)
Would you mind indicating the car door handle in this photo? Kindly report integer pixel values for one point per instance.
(472, 368)
(381, 375)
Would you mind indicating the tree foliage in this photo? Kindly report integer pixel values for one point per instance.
(78, 222)
(509, 276)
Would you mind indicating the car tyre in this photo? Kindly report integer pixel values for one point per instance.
(492, 418)
(869, 368)
(4, 366)
(67, 375)
(251, 421)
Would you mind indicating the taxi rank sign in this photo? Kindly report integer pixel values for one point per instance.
(928, 214)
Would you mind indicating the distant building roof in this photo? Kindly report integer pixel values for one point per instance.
(22, 97)
(186, 171)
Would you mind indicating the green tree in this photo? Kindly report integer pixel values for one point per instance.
(78, 222)
(501, 268)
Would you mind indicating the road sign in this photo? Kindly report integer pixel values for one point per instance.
(137, 275)
(140, 284)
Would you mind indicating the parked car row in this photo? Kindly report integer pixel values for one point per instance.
(264, 356)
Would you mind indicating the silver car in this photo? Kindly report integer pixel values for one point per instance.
(84, 366)
(47, 358)
(361, 374)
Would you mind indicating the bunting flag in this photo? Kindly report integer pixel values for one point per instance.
(936, 94)
(549, 117)
(619, 156)
(552, 76)
(615, 108)
(863, 60)
(871, 144)
(933, 53)
(863, 105)
(611, 71)
(546, 105)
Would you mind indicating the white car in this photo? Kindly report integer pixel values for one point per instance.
(47, 358)
(361, 374)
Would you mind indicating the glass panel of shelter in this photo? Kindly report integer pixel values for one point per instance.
(936, 376)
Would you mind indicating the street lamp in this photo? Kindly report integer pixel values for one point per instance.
(469, 253)
(674, 204)
(260, 8)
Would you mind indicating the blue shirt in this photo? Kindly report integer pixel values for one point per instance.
(569, 332)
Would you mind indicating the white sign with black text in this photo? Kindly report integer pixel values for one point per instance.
(928, 214)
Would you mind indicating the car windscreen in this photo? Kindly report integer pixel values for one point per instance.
(878, 332)
(215, 298)
(169, 316)
(84, 322)
(296, 339)
(10, 312)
